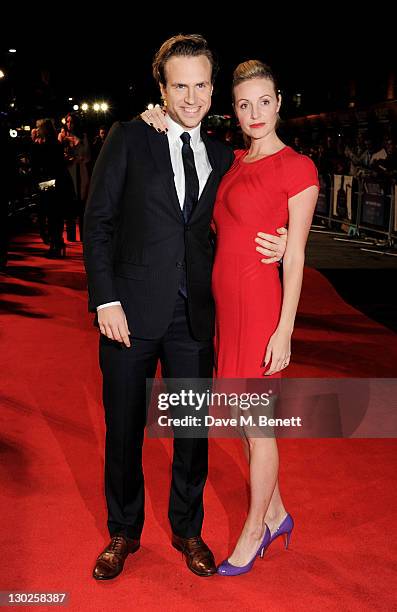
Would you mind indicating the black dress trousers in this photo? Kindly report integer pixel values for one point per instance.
(124, 396)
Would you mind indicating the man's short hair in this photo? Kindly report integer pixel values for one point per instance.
(188, 45)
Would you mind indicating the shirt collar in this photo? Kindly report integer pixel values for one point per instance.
(175, 130)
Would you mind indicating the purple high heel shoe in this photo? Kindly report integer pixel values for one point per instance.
(285, 528)
(227, 569)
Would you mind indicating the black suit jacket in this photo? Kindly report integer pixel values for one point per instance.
(135, 238)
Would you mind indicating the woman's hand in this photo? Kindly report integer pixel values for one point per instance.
(156, 118)
(278, 352)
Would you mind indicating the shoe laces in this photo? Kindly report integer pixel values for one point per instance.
(197, 544)
(117, 544)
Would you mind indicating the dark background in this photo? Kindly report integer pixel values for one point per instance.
(330, 58)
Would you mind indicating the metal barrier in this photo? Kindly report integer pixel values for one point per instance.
(365, 204)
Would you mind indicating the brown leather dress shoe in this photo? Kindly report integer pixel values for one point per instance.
(110, 562)
(198, 556)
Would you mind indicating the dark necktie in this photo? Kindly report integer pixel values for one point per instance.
(191, 193)
(191, 178)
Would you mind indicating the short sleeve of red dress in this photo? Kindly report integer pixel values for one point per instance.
(300, 173)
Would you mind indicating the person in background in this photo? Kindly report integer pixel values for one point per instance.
(7, 187)
(78, 155)
(98, 143)
(48, 164)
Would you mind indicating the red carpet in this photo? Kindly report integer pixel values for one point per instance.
(341, 493)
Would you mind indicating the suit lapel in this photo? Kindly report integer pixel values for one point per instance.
(211, 151)
(161, 154)
(214, 174)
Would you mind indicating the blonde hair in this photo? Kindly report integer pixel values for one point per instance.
(47, 128)
(253, 69)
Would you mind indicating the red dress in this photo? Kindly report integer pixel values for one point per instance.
(251, 197)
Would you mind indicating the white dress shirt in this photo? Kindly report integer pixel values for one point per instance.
(203, 166)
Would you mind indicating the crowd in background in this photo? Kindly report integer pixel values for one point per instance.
(358, 157)
(57, 164)
(361, 155)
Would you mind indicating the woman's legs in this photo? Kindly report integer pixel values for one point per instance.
(275, 512)
(266, 505)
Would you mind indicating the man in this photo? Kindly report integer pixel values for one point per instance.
(98, 143)
(148, 259)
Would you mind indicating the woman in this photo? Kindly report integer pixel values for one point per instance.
(268, 186)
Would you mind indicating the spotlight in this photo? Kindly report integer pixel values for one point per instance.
(96, 106)
(13, 133)
(104, 107)
(84, 106)
(75, 107)
(2, 74)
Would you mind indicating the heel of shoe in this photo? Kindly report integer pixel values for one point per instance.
(265, 543)
(287, 537)
(177, 546)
